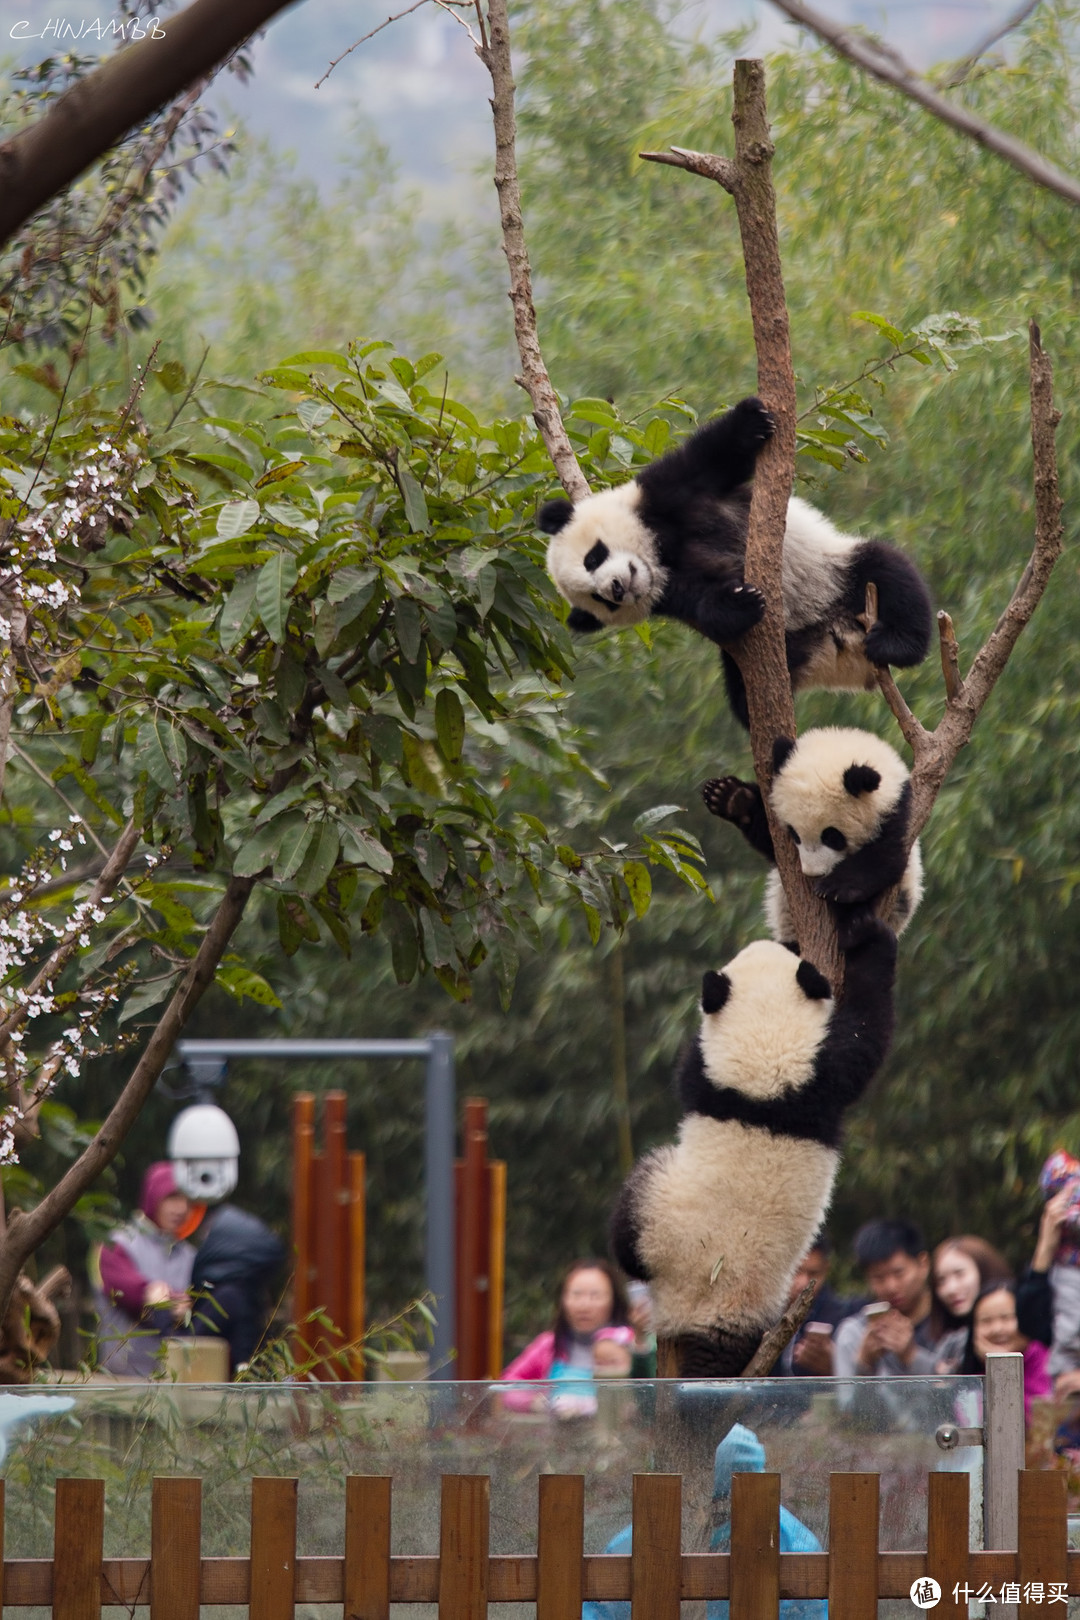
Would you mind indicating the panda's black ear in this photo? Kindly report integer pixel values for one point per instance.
(554, 515)
(715, 989)
(812, 983)
(782, 750)
(861, 779)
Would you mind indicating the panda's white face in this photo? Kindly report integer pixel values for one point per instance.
(605, 560)
(774, 1015)
(834, 791)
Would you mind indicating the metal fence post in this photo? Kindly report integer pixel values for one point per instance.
(1003, 1427)
(439, 1176)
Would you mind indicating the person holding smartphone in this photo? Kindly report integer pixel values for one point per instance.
(893, 1336)
(810, 1353)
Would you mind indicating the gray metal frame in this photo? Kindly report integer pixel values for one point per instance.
(439, 1105)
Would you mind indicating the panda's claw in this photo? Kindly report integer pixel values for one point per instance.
(730, 799)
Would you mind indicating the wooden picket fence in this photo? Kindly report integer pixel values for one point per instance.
(463, 1579)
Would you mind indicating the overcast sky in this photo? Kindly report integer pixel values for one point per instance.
(418, 83)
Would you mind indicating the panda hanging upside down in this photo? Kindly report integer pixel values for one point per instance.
(673, 541)
(716, 1222)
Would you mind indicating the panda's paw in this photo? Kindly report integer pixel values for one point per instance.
(882, 646)
(841, 891)
(742, 606)
(857, 928)
(752, 424)
(730, 799)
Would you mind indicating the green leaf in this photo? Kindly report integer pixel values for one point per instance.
(275, 580)
(450, 724)
(258, 852)
(297, 838)
(593, 920)
(320, 859)
(294, 924)
(408, 628)
(240, 982)
(362, 846)
(237, 517)
(348, 582)
(649, 818)
(162, 752)
(404, 945)
(238, 611)
(639, 883)
(421, 765)
(145, 996)
(416, 512)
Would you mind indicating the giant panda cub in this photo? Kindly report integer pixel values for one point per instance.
(716, 1222)
(845, 798)
(673, 540)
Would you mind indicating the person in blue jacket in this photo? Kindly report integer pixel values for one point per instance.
(739, 1452)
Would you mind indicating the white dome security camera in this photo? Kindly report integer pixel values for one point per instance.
(205, 1152)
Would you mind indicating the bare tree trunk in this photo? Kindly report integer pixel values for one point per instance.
(96, 112)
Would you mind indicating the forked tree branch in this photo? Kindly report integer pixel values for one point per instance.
(495, 55)
(27, 1229)
(887, 65)
(761, 653)
(936, 750)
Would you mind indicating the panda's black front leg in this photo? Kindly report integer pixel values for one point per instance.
(722, 610)
(859, 878)
(903, 630)
(741, 803)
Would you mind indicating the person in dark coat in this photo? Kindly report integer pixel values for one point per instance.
(236, 1260)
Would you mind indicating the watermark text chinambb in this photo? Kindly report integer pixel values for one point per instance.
(100, 28)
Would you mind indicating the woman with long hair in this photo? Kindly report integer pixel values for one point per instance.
(960, 1268)
(590, 1334)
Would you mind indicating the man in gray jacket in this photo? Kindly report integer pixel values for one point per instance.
(893, 1336)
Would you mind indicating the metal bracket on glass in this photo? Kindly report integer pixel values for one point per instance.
(949, 1436)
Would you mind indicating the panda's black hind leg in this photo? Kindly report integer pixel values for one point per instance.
(721, 1353)
(741, 803)
(736, 689)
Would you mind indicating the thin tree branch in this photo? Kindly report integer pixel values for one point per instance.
(885, 64)
(371, 35)
(779, 1337)
(1015, 19)
(950, 655)
(547, 415)
(26, 1230)
(131, 85)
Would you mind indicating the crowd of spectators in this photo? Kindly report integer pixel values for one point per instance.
(919, 1312)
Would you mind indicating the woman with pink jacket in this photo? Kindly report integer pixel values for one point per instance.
(590, 1335)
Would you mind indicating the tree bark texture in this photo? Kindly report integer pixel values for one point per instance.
(761, 654)
(494, 52)
(131, 85)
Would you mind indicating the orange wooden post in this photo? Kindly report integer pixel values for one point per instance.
(367, 1548)
(472, 1188)
(357, 1267)
(755, 1546)
(78, 1548)
(331, 1220)
(463, 1547)
(656, 1547)
(303, 1135)
(948, 1539)
(175, 1549)
(273, 1549)
(853, 1546)
(496, 1294)
(1044, 1536)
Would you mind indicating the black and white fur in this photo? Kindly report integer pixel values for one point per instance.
(717, 1221)
(672, 541)
(845, 798)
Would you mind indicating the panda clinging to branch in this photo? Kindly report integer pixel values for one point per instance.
(717, 1221)
(672, 541)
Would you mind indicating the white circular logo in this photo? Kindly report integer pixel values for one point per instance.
(925, 1592)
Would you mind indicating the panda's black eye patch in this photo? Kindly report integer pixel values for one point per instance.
(794, 835)
(833, 838)
(595, 556)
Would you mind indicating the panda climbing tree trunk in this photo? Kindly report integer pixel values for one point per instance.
(761, 653)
